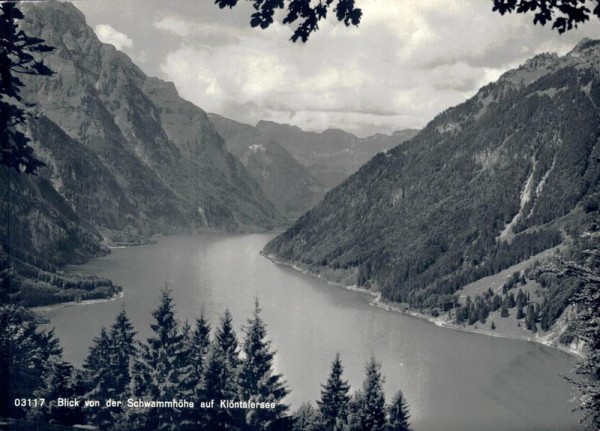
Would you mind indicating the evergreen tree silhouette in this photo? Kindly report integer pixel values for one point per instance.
(398, 414)
(335, 398)
(257, 381)
(371, 399)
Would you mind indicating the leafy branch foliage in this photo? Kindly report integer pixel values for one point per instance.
(17, 57)
(566, 14)
(305, 13)
(586, 299)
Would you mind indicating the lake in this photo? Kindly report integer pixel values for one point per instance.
(452, 380)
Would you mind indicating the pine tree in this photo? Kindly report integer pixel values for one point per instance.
(334, 401)
(520, 304)
(108, 369)
(306, 418)
(371, 404)
(25, 357)
(493, 326)
(201, 342)
(398, 414)
(473, 317)
(504, 310)
(257, 382)
(354, 411)
(58, 383)
(195, 353)
(186, 353)
(530, 317)
(99, 378)
(218, 384)
(122, 351)
(226, 338)
(163, 372)
(496, 303)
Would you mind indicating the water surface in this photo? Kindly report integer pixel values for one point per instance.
(452, 380)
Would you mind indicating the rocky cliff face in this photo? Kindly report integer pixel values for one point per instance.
(153, 161)
(488, 183)
(333, 155)
(287, 183)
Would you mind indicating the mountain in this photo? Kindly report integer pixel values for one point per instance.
(125, 158)
(287, 184)
(333, 155)
(167, 166)
(511, 172)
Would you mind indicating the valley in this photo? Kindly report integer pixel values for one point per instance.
(460, 255)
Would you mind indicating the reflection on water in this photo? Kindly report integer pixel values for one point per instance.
(452, 380)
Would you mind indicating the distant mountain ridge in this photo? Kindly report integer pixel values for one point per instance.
(287, 184)
(510, 172)
(332, 155)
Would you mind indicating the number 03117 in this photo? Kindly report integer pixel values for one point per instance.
(29, 402)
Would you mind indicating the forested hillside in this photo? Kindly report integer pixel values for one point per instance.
(511, 172)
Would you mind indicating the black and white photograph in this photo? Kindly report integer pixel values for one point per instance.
(300, 215)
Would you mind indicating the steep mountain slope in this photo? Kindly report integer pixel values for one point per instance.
(511, 172)
(39, 230)
(165, 158)
(287, 184)
(125, 158)
(333, 155)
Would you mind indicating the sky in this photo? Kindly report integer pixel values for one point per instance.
(406, 62)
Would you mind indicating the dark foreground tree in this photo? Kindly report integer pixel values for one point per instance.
(108, 370)
(200, 344)
(335, 398)
(587, 303)
(99, 378)
(218, 384)
(25, 357)
(370, 400)
(306, 14)
(307, 418)
(257, 381)
(161, 372)
(17, 57)
(59, 382)
(398, 414)
(122, 352)
(226, 339)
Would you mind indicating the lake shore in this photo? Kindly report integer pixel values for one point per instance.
(51, 307)
(442, 322)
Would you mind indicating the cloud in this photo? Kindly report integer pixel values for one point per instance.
(174, 25)
(107, 34)
(203, 33)
(406, 62)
